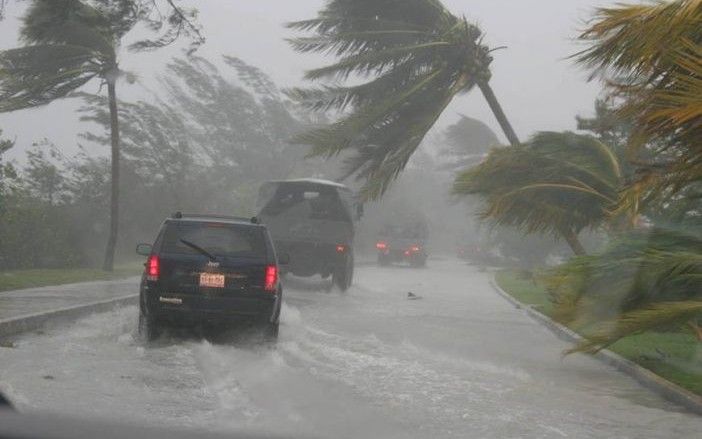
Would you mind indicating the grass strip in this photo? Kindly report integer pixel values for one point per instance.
(21, 279)
(675, 356)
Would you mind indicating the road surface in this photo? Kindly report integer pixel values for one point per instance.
(459, 362)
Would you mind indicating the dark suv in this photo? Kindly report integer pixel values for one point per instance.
(205, 269)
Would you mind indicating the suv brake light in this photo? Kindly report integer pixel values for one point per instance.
(381, 245)
(153, 267)
(271, 279)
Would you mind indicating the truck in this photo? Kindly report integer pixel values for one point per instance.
(313, 222)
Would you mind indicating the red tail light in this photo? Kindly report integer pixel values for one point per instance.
(414, 248)
(381, 245)
(153, 267)
(271, 280)
(340, 248)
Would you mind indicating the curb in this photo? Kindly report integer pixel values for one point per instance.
(668, 390)
(31, 322)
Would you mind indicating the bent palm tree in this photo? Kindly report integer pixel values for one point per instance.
(558, 183)
(68, 44)
(417, 55)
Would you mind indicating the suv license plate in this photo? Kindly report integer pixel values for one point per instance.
(211, 280)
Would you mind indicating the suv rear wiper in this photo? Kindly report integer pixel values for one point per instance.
(199, 249)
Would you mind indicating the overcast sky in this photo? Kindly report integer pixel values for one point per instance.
(539, 88)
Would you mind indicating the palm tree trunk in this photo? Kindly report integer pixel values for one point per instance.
(108, 264)
(572, 239)
(499, 113)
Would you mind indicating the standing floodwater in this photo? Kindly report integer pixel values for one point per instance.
(460, 362)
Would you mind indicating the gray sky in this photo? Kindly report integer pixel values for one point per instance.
(538, 87)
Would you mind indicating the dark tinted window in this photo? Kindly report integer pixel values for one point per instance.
(217, 238)
(303, 201)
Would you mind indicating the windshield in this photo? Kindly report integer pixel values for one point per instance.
(443, 219)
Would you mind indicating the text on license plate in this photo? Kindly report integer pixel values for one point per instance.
(211, 280)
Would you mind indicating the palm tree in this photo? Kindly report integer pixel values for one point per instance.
(646, 279)
(417, 57)
(661, 85)
(558, 183)
(68, 43)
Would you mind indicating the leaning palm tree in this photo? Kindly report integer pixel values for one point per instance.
(558, 183)
(416, 57)
(651, 57)
(69, 43)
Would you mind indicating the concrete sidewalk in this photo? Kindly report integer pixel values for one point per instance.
(19, 304)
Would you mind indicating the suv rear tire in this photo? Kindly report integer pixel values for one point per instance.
(149, 328)
(270, 332)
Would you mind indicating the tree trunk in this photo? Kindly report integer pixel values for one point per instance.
(499, 113)
(572, 239)
(108, 264)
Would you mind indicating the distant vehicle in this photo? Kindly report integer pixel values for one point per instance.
(476, 252)
(470, 251)
(403, 243)
(313, 221)
(205, 269)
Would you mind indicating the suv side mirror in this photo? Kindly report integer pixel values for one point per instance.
(284, 259)
(144, 249)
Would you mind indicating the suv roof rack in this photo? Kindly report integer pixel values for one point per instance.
(179, 215)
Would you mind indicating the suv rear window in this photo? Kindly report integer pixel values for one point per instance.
(218, 239)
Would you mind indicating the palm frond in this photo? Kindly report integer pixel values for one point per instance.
(36, 75)
(654, 316)
(661, 85)
(556, 182)
(414, 56)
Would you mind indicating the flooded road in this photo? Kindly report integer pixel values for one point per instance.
(457, 362)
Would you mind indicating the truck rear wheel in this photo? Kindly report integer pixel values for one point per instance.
(343, 275)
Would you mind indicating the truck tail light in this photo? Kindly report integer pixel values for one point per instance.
(271, 279)
(153, 267)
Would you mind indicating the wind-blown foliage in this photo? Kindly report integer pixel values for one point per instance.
(645, 279)
(651, 58)
(660, 83)
(7, 170)
(415, 55)
(467, 142)
(558, 183)
(67, 43)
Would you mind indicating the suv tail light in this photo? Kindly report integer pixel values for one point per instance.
(340, 248)
(415, 248)
(381, 245)
(153, 267)
(271, 278)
